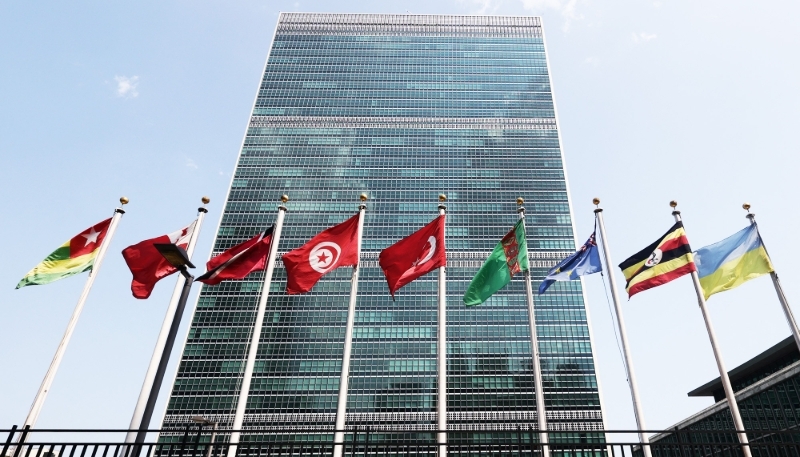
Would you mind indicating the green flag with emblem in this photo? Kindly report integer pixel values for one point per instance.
(509, 257)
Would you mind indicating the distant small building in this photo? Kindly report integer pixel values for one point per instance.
(768, 392)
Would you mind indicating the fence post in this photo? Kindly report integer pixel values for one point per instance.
(22, 440)
(185, 440)
(182, 443)
(197, 440)
(9, 440)
(530, 434)
(680, 442)
(355, 443)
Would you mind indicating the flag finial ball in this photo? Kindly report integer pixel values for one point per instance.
(596, 201)
(205, 200)
(284, 198)
(746, 206)
(520, 200)
(442, 197)
(124, 200)
(362, 197)
(673, 203)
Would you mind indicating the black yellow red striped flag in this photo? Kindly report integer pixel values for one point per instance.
(668, 258)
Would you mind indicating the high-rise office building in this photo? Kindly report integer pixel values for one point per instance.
(402, 108)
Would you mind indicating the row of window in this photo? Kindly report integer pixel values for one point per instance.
(477, 112)
(292, 41)
(350, 61)
(323, 100)
(205, 314)
(206, 318)
(334, 70)
(366, 182)
(412, 297)
(358, 78)
(532, 192)
(408, 132)
(498, 147)
(370, 52)
(540, 87)
(332, 293)
(456, 383)
(378, 403)
(411, 93)
(383, 156)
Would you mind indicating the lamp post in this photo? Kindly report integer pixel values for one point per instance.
(201, 421)
(178, 258)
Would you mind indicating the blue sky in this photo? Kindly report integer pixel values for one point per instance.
(693, 100)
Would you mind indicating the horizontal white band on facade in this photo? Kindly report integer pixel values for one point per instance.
(459, 259)
(551, 426)
(450, 263)
(482, 255)
(536, 123)
(410, 25)
(486, 420)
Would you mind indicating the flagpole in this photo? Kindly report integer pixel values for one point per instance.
(44, 388)
(723, 373)
(341, 407)
(637, 404)
(143, 412)
(441, 404)
(244, 391)
(777, 283)
(541, 413)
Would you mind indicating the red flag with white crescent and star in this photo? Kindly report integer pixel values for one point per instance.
(148, 265)
(415, 255)
(328, 250)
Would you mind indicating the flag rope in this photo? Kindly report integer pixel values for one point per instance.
(611, 312)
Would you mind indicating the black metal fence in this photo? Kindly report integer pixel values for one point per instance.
(522, 442)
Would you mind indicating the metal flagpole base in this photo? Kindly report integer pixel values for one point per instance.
(341, 406)
(733, 406)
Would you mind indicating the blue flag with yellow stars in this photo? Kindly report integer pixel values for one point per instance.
(584, 262)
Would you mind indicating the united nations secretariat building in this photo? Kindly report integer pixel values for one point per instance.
(402, 108)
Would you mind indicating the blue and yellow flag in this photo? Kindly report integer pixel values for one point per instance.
(732, 261)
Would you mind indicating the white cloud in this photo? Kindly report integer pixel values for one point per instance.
(191, 163)
(126, 87)
(567, 8)
(642, 36)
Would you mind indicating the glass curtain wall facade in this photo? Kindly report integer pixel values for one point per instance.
(402, 108)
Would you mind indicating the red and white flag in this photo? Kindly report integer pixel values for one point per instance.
(415, 255)
(240, 260)
(330, 249)
(148, 265)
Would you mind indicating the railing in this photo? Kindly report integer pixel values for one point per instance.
(195, 441)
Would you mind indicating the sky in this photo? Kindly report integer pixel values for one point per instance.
(691, 100)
